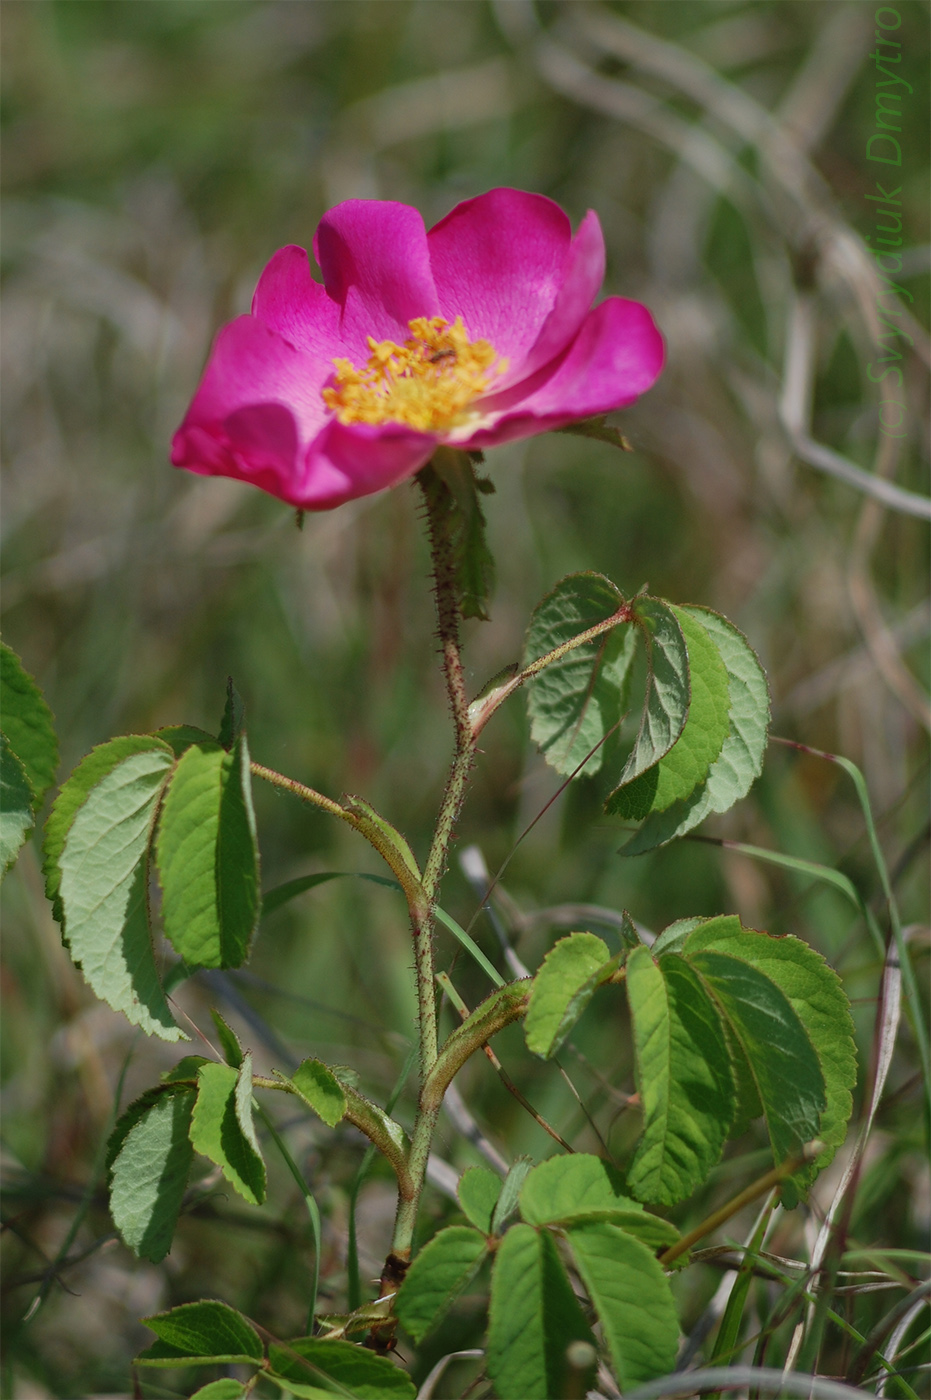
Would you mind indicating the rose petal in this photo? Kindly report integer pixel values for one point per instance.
(584, 274)
(500, 261)
(351, 460)
(616, 357)
(255, 410)
(376, 267)
(291, 302)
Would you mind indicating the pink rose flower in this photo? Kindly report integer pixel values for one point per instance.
(474, 333)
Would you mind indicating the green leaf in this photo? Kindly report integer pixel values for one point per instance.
(149, 1174)
(318, 1086)
(740, 760)
(229, 1041)
(17, 799)
(233, 723)
(672, 939)
(576, 700)
(817, 997)
(600, 429)
(27, 723)
(219, 1131)
(207, 1331)
(510, 1194)
(561, 1188)
(92, 769)
(781, 1057)
(208, 859)
(103, 889)
(185, 1070)
(454, 488)
(478, 1193)
(665, 706)
(180, 737)
(439, 1273)
(350, 1370)
(225, 1389)
(632, 1298)
(534, 1318)
(683, 1076)
(564, 985)
(686, 765)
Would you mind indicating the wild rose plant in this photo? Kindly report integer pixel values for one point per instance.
(418, 351)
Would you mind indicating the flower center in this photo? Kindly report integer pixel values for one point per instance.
(428, 382)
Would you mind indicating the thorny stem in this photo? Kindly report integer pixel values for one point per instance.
(422, 913)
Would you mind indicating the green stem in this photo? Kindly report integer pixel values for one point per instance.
(422, 912)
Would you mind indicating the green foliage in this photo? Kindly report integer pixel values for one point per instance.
(815, 993)
(321, 1090)
(438, 1275)
(229, 1041)
(729, 1023)
(27, 724)
(572, 970)
(478, 1193)
(507, 1202)
(208, 860)
(733, 770)
(17, 816)
(225, 1389)
(222, 1128)
(102, 882)
(578, 1188)
(665, 705)
(200, 1333)
(534, 1318)
(683, 1077)
(632, 1297)
(577, 700)
(151, 1159)
(339, 1366)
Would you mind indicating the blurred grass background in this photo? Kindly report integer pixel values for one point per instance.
(155, 154)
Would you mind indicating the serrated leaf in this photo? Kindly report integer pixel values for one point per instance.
(320, 1089)
(232, 725)
(740, 761)
(355, 1370)
(665, 705)
(687, 764)
(225, 1389)
(217, 1130)
(632, 1298)
(683, 1077)
(229, 1041)
(208, 1330)
(562, 1187)
(576, 700)
(510, 1194)
(534, 1318)
(443, 1268)
(478, 1193)
(672, 939)
(17, 805)
(564, 985)
(817, 996)
(103, 890)
(454, 488)
(149, 1175)
(208, 858)
(185, 1070)
(180, 737)
(27, 723)
(782, 1060)
(92, 769)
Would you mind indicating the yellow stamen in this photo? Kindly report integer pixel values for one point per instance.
(428, 382)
